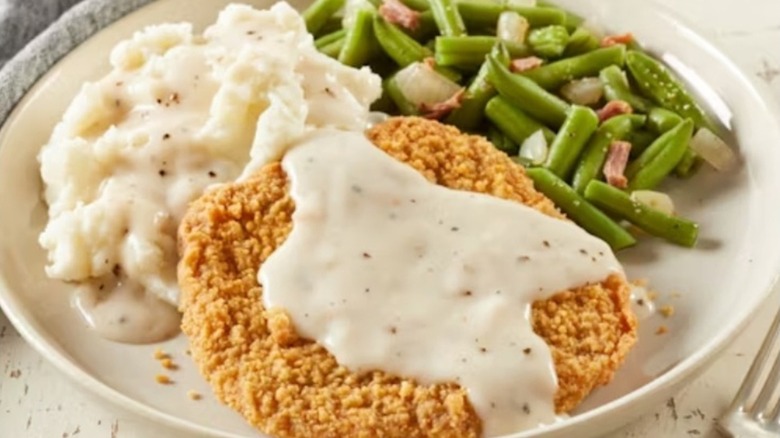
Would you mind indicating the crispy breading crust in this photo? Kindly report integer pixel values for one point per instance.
(291, 387)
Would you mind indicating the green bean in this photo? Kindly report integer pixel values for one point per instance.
(333, 49)
(501, 141)
(688, 165)
(553, 76)
(360, 44)
(332, 24)
(417, 5)
(402, 48)
(579, 210)
(619, 203)
(393, 91)
(549, 41)
(316, 15)
(447, 17)
(479, 14)
(654, 171)
(530, 97)
(471, 110)
(572, 20)
(324, 40)
(653, 150)
(661, 120)
(513, 122)
(580, 124)
(640, 140)
(595, 153)
(469, 52)
(581, 41)
(656, 82)
(616, 88)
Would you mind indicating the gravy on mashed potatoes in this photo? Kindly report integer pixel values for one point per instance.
(178, 113)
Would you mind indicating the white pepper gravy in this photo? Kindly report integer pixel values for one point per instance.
(391, 272)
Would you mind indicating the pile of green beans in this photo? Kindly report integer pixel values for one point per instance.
(458, 39)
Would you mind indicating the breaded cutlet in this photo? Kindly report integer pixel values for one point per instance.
(288, 386)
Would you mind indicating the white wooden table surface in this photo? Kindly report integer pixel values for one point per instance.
(37, 401)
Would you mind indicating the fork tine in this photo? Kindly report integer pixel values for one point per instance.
(775, 415)
(770, 384)
(755, 370)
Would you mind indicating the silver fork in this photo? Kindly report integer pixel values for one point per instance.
(758, 419)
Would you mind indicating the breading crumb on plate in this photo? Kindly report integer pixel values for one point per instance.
(163, 379)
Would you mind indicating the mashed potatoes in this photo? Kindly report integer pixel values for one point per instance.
(177, 113)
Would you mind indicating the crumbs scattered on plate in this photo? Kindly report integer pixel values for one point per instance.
(163, 379)
(165, 360)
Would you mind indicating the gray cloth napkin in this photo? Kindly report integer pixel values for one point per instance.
(21, 20)
(68, 26)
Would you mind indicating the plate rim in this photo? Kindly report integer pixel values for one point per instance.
(21, 319)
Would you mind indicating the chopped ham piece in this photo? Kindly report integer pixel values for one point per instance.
(611, 40)
(616, 162)
(525, 64)
(614, 108)
(440, 110)
(398, 13)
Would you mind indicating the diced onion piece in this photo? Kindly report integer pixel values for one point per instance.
(586, 91)
(351, 8)
(713, 150)
(657, 200)
(512, 27)
(421, 84)
(521, 3)
(534, 148)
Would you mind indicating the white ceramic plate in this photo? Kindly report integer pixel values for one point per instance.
(714, 288)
